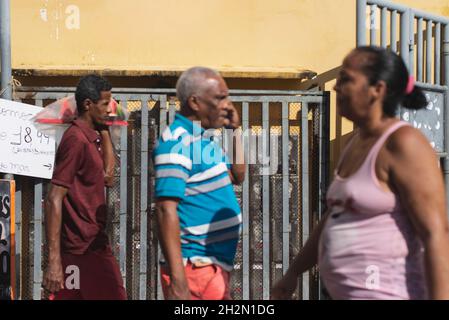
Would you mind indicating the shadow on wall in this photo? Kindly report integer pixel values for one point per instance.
(338, 143)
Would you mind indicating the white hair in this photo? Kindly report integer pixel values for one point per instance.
(191, 82)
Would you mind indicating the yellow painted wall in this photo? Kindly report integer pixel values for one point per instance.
(173, 34)
(278, 37)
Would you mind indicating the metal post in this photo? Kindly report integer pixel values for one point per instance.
(305, 189)
(5, 44)
(446, 56)
(245, 200)
(143, 201)
(446, 82)
(361, 21)
(37, 269)
(285, 187)
(429, 51)
(123, 194)
(372, 25)
(5, 26)
(171, 111)
(266, 200)
(383, 27)
(420, 52)
(404, 37)
(393, 23)
(437, 70)
(411, 44)
(162, 125)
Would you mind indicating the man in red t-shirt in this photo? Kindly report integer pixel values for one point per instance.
(80, 262)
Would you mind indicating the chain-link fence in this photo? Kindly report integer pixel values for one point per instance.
(279, 205)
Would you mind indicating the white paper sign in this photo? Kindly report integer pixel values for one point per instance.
(24, 150)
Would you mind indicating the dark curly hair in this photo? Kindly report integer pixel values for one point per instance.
(90, 87)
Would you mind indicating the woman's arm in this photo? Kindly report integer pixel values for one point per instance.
(304, 260)
(415, 174)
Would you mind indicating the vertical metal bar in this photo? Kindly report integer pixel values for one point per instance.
(446, 144)
(245, 200)
(383, 27)
(18, 235)
(5, 47)
(162, 126)
(37, 221)
(123, 194)
(159, 294)
(266, 200)
(411, 44)
(404, 37)
(446, 82)
(285, 188)
(446, 59)
(143, 202)
(419, 62)
(393, 31)
(171, 111)
(305, 188)
(162, 113)
(372, 25)
(323, 160)
(37, 270)
(437, 70)
(361, 23)
(429, 51)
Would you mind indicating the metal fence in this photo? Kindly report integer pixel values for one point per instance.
(278, 209)
(422, 39)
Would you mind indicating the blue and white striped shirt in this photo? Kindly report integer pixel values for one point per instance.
(194, 169)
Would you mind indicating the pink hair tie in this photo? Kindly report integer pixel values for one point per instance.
(410, 85)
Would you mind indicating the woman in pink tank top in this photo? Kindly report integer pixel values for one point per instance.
(385, 234)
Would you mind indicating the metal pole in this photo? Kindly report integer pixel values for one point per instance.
(5, 44)
(5, 27)
(446, 82)
(429, 51)
(361, 21)
(383, 27)
(372, 25)
(404, 37)
(266, 200)
(393, 31)
(245, 211)
(305, 191)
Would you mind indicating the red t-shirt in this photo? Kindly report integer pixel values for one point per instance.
(79, 168)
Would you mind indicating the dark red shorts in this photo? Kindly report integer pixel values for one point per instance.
(99, 277)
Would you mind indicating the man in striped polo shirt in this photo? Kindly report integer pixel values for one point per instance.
(198, 214)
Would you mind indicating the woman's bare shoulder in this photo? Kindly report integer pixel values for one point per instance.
(408, 141)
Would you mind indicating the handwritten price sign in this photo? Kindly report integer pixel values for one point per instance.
(24, 150)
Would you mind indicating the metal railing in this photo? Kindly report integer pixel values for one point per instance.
(415, 31)
(278, 209)
(423, 40)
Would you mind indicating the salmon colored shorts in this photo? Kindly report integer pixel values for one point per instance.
(208, 282)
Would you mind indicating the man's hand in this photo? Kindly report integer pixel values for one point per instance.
(178, 290)
(53, 277)
(233, 119)
(109, 181)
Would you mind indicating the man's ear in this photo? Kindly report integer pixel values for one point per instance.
(192, 101)
(86, 104)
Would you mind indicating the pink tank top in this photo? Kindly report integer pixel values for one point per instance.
(368, 248)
